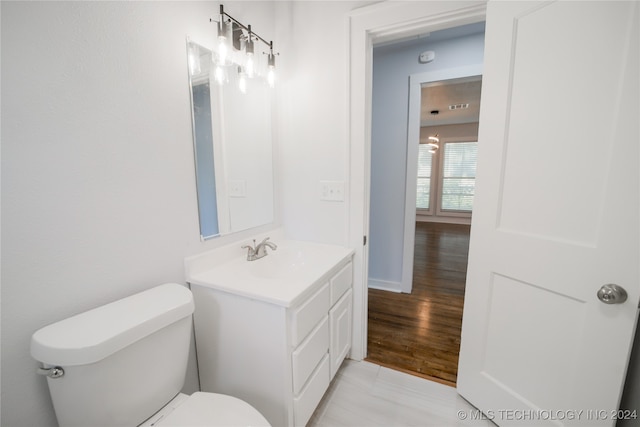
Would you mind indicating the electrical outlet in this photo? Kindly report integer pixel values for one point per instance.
(332, 191)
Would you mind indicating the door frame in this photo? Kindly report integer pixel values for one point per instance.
(413, 137)
(378, 23)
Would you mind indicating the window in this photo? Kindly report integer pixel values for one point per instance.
(424, 177)
(451, 174)
(458, 176)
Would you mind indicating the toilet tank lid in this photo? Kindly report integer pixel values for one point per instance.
(95, 334)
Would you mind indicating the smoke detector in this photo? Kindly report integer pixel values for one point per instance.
(426, 56)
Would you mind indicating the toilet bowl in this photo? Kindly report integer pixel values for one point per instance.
(124, 364)
(202, 409)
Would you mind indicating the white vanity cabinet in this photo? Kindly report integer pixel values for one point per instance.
(280, 356)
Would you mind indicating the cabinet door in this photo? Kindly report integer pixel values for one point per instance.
(340, 325)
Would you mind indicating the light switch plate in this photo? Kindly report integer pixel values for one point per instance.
(332, 191)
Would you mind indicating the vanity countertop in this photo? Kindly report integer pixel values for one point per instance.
(283, 277)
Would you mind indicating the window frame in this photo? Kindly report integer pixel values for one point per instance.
(437, 169)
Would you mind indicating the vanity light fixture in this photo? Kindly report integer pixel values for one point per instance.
(249, 51)
(433, 143)
(236, 47)
(242, 79)
(219, 75)
(223, 42)
(271, 73)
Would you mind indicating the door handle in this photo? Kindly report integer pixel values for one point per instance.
(612, 294)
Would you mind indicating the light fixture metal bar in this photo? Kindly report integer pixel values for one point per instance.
(246, 28)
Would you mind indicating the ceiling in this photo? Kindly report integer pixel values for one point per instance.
(445, 96)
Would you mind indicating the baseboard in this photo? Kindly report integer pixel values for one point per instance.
(444, 219)
(385, 285)
(414, 373)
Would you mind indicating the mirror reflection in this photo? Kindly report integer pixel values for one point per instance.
(232, 147)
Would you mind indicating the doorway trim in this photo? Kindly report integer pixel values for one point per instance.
(413, 138)
(379, 23)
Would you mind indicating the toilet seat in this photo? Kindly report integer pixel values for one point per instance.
(208, 409)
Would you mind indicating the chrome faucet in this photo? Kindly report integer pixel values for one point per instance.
(260, 250)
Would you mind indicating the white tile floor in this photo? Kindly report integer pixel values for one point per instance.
(364, 394)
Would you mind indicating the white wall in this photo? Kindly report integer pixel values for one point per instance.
(392, 66)
(314, 117)
(98, 184)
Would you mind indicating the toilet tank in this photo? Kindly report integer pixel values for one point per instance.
(122, 362)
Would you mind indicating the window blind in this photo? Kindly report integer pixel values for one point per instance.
(459, 176)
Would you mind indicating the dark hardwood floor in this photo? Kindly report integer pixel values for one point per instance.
(419, 333)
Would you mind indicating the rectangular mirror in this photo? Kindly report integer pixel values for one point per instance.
(232, 146)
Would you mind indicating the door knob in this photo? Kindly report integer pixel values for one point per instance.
(612, 294)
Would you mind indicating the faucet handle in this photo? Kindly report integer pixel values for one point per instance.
(251, 251)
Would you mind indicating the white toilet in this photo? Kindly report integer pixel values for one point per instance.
(124, 364)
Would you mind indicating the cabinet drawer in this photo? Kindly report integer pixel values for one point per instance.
(307, 316)
(306, 357)
(341, 282)
(309, 398)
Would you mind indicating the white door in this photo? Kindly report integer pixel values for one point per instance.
(556, 214)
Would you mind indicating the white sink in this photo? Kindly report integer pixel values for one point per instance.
(282, 277)
(279, 264)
